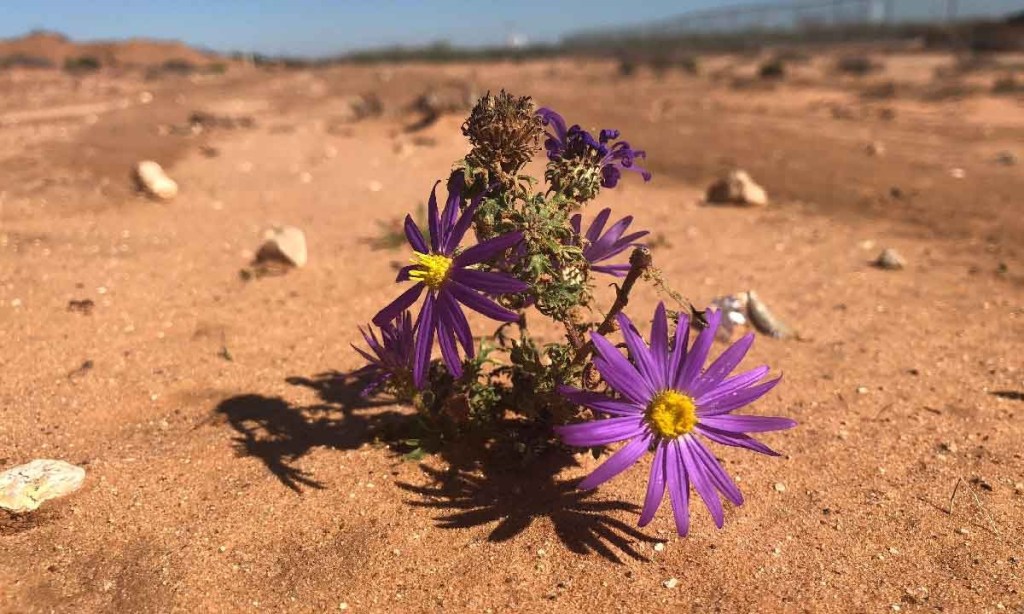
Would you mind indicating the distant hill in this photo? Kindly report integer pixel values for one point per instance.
(55, 49)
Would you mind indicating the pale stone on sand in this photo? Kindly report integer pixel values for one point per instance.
(284, 244)
(155, 181)
(25, 487)
(737, 188)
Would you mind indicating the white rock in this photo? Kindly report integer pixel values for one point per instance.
(737, 188)
(283, 244)
(890, 260)
(25, 487)
(155, 181)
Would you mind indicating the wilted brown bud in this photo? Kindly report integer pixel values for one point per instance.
(641, 258)
(591, 377)
(578, 315)
(457, 408)
(505, 132)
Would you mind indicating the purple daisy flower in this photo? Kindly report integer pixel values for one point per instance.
(666, 401)
(577, 143)
(450, 282)
(610, 244)
(391, 360)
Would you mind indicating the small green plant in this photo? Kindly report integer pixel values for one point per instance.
(82, 64)
(857, 65)
(21, 60)
(773, 69)
(533, 258)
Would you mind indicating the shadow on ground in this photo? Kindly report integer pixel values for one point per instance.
(515, 498)
(475, 492)
(279, 433)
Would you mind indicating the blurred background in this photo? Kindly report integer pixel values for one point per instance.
(201, 201)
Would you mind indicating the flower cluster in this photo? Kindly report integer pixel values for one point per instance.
(579, 165)
(532, 253)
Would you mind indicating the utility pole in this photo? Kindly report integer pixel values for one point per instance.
(951, 10)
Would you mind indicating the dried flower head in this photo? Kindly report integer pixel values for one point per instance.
(504, 131)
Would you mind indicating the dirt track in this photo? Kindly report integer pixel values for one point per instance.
(232, 468)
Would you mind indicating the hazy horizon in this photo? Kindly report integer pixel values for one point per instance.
(313, 28)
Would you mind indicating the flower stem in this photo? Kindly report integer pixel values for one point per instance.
(639, 261)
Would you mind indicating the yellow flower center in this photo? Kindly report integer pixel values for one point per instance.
(433, 269)
(672, 413)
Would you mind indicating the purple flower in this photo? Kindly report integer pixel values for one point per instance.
(450, 282)
(577, 143)
(666, 401)
(391, 361)
(610, 244)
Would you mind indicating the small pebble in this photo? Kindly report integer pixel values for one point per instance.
(890, 260)
(962, 531)
(862, 389)
(779, 487)
(659, 547)
(670, 583)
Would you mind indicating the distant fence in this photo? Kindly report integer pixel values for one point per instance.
(806, 20)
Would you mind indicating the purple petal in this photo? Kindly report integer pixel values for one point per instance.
(605, 243)
(651, 370)
(600, 432)
(457, 320)
(623, 459)
(723, 366)
(490, 283)
(449, 352)
(600, 402)
(747, 424)
(480, 304)
(736, 440)
(415, 237)
(677, 359)
(553, 119)
(397, 306)
(716, 473)
(576, 222)
(678, 486)
(489, 248)
(465, 221)
(369, 357)
(433, 222)
(659, 341)
(699, 352)
(619, 373)
(594, 232)
(425, 325)
(618, 270)
(610, 176)
(655, 487)
(456, 182)
(733, 384)
(701, 483)
(403, 273)
(735, 400)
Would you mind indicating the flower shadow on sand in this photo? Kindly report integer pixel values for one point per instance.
(279, 433)
(471, 494)
(516, 498)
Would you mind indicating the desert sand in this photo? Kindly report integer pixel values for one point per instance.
(232, 466)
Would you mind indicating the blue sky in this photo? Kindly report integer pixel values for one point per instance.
(321, 27)
(314, 27)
